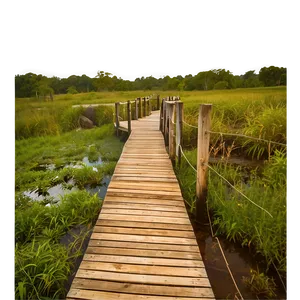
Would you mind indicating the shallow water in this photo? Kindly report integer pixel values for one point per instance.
(56, 192)
(59, 191)
(240, 261)
(101, 188)
(86, 161)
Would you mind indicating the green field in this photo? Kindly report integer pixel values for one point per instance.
(47, 136)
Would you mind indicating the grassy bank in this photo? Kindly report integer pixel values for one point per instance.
(50, 232)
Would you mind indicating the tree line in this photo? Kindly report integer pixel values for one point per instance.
(32, 85)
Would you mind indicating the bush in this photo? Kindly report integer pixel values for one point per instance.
(221, 85)
(72, 90)
(69, 118)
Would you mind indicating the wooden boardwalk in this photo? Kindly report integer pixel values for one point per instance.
(143, 245)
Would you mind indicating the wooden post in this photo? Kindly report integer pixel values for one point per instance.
(164, 116)
(129, 116)
(145, 107)
(166, 131)
(136, 109)
(150, 107)
(157, 103)
(171, 131)
(202, 158)
(140, 107)
(161, 122)
(117, 112)
(179, 126)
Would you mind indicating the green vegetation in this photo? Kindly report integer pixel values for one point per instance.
(41, 87)
(259, 113)
(260, 284)
(50, 233)
(49, 145)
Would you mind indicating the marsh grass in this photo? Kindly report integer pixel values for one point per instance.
(234, 216)
(260, 284)
(43, 262)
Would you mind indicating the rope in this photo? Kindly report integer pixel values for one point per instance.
(186, 158)
(237, 189)
(189, 124)
(220, 247)
(246, 136)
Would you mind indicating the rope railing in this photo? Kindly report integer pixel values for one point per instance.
(241, 193)
(211, 168)
(186, 158)
(189, 124)
(222, 252)
(212, 233)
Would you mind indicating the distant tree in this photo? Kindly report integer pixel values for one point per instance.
(26, 85)
(103, 81)
(72, 90)
(272, 76)
(44, 88)
(221, 85)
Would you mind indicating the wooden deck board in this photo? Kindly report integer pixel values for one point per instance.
(143, 245)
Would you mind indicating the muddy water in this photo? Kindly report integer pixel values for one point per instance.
(240, 261)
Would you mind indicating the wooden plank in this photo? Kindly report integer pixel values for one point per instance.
(124, 170)
(121, 166)
(147, 178)
(143, 238)
(144, 155)
(149, 192)
(143, 206)
(142, 252)
(167, 220)
(143, 269)
(139, 200)
(161, 250)
(145, 185)
(140, 212)
(133, 224)
(144, 195)
(144, 231)
(96, 295)
(132, 288)
(145, 279)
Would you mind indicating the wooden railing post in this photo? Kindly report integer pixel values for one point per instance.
(171, 131)
(150, 107)
(166, 129)
(164, 117)
(145, 107)
(179, 118)
(161, 116)
(136, 109)
(140, 107)
(202, 157)
(117, 112)
(157, 102)
(129, 116)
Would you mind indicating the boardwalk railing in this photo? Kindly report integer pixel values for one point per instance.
(173, 131)
(173, 134)
(133, 110)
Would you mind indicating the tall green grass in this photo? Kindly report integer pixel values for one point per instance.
(237, 218)
(43, 262)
